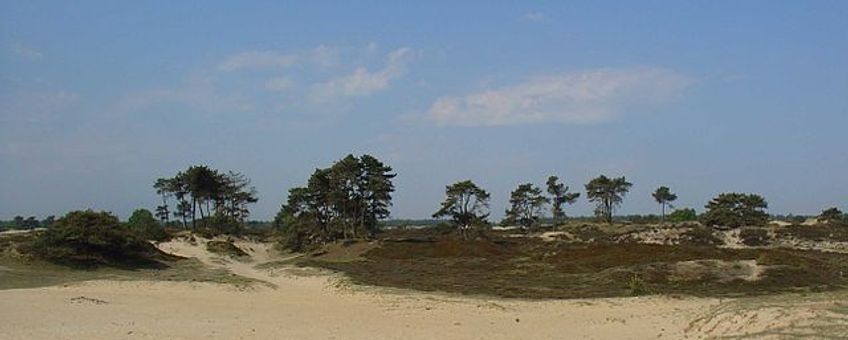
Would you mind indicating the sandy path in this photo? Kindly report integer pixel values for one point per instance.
(313, 307)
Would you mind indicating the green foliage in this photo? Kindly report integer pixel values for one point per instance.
(145, 226)
(226, 248)
(832, 215)
(92, 238)
(207, 192)
(735, 210)
(466, 204)
(664, 197)
(607, 193)
(683, 215)
(526, 204)
(344, 201)
(637, 286)
(559, 197)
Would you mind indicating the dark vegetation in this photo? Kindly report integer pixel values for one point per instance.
(467, 207)
(344, 201)
(226, 248)
(736, 210)
(338, 217)
(206, 197)
(607, 194)
(754, 237)
(91, 239)
(530, 268)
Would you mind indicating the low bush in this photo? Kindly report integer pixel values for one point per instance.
(226, 248)
(145, 226)
(754, 237)
(702, 236)
(88, 238)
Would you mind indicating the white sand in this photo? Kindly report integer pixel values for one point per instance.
(317, 307)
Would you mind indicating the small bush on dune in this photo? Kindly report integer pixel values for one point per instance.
(754, 237)
(145, 226)
(226, 248)
(88, 238)
(700, 235)
(683, 215)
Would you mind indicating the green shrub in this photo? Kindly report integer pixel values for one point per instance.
(89, 238)
(735, 210)
(226, 248)
(683, 215)
(637, 286)
(144, 225)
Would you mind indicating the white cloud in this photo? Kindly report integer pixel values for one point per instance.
(579, 98)
(363, 82)
(26, 52)
(533, 16)
(279, 84)
(257, 59)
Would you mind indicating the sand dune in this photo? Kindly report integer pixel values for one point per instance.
(323, 307)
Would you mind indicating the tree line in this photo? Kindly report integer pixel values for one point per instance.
(215, 197)
(348, 199)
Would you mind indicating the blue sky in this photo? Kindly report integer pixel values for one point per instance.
(98, 99)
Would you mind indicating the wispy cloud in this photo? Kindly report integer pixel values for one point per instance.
(257, 59)
(279, 84)
(533, 16)
(199, 92)
(35, 106)
(577, 98)
(363, 82)
(26, 52)
(325, 56)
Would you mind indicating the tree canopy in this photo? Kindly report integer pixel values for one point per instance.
(559, 197)
(664, 197)
(466, 204)
(344, 201)
(607, 194)
(143, 224)
(736, 210)
(526, 204)
(831, 214)
(219, 197)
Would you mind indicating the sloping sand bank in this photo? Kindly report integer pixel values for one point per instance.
(320, 307)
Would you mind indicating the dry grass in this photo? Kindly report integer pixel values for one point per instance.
(530, 268)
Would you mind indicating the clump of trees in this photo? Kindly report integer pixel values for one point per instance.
(526, 205)
(32, 222)
(664, 197)
(735, 210)
(220, 200)
(467, 206)
(607, 194)
(344, 201)
(89, 238)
